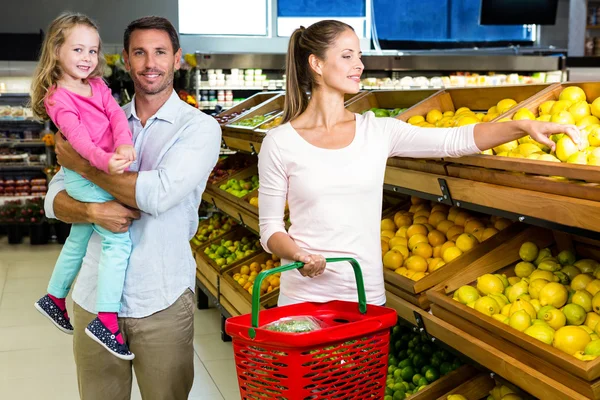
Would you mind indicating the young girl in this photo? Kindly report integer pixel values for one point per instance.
(330, 164)
(68, 88)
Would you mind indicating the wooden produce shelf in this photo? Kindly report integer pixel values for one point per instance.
(272, 107)
(417, 183)
(445, 384)
(247, 218)
(477, 388)
(249, 104)
(207, 275)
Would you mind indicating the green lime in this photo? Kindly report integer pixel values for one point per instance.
(444, 355)
(399, 395)
(419, 360)
(421, 388)
(425, 368)
(445, 368)
(398, 386)
(412, 386)
(406, 386)
(436, 361)
(399, 345)
(422, 382)
(409, 352)
(415, 379)
(396, 330)
(427, 349)
(397, 373)
(392, 360)
(405, 363)
(402, 355)
(389, 391)
(418, 348)
(388, 397)
(432, 375)
(391, 369)
(407, 373)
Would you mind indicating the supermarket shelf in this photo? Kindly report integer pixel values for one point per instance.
(236, 88)
(21, 143)
(531, 378)
(19, 168)
(246, 218)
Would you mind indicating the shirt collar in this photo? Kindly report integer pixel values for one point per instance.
(168, 112)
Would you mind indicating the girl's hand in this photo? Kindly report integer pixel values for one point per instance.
(127, 151)
(541, 132)
(118, 164)
(314, 264)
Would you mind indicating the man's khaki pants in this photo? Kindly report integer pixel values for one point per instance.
(164, 355)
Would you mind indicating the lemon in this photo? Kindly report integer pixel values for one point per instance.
(584, 299)
(415, 240)
(588, 121)
(466, 242)
(392, 260)
(542, 255)
(560, 106)
(506, 310)
(513, 280)
(587, 266)
(523, 113)
(593, 287)
(487, 305)
(501, 318)
(571, 271)
(536, 286)
(572, 94)
(456, 397)
(591, 320)
(549, 265)
(522, 305)
(451, 253)
(575, 314)
(593, 348)
(541, 332)
(536, 305)
(554, 318)
(571, 339)
(596, 303)
(565, 148)
(513, 292)
(504, 279)
(416, 264)
(528, 251)
(524, 269)
(388, 225)
(580, 110)
(596, 107)
(500, 298)
(553, 294)
(520, 320)
(434, 116)
(467, 294)
(545, 107)
(506, 147)
(580, 355)
(505, 105)
(581, 281)
(524, 296)
(489, 283)
(542, 311)
(416, 119)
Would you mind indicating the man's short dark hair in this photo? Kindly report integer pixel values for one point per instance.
(152, 22)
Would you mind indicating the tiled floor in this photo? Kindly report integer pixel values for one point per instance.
(35, 357)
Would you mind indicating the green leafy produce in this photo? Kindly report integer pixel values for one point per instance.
(294, 325)
(383, 112)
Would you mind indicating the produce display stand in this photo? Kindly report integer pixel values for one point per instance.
(446, 383)
(477, 387)
(536, 201)
(249, 104)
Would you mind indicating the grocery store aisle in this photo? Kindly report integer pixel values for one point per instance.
(35, 357)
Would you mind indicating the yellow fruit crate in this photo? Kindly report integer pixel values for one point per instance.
(233, 236)
(502, 260)
(476, 388)
(246, 174)
(413, 291)
(572, 180)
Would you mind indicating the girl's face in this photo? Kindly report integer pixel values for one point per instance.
(78, 56)
(342, 67)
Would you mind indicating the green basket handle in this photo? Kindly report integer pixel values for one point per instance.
(362, 297)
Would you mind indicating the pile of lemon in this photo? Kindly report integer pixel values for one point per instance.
(571, 108)
(423, 239)
(499, 392)
(247, 275)
(463, 116)
(553, 299)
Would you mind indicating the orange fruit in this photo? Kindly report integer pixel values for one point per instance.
(436, 217)
(270, 289)
(388, 225)
(251, 278)
(237, 276)
(423, 249)
(253, 273)
(270, 263)
(423, 207)
(393, 260)
(275, 282)
(461, 218)
(418, 276)
(416, 239)
(423, 213)
(416, 263)
(254, 267)
(447, 245)
(453, 231)
(488, 233)
(502, 223)
(403, 220)
(247, 285)
(429, 227)
(420, 220)
(416, 229)
(466, 242)
(436, 238)
(384, 247)
(437, 251)
(440, 207)
(435, 264)
(397, 240)
(402, 250)
(444, 226)
(451, 253)
(478, 233)
(473, 224)
(402, 231)
(388, 234)
(416, 200)
(245, 270)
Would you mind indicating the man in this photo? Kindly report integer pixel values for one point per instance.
(177, 147)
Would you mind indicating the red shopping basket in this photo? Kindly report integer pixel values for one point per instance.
(347, 359)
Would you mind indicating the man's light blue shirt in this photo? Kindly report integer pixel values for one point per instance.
(176, 151)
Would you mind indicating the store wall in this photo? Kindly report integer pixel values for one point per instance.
(29, 16)
(557, 35)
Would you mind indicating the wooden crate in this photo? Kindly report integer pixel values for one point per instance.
(267, 300)
(272, 107)
(476, 388)
(231, 160)
(216, 238)
(244, 174)
(210, 276)
(445, 383)
(545, 168)
(249, 104)
(477, 99)
(388, 99)
(237, 234)
(414, 291)
(502, 260)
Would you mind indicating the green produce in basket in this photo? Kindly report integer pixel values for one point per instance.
(294, 325)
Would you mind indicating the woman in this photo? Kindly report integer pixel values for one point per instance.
(329, 163)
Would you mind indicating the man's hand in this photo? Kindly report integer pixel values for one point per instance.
(127, 151)
(112, 216)
(68, 157)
